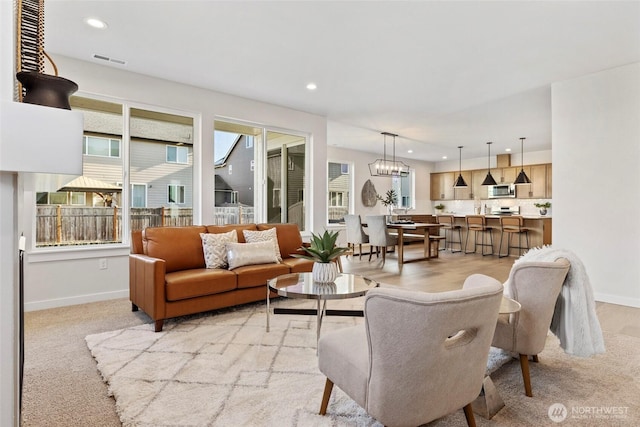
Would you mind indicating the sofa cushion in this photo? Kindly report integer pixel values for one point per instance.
(289, 238)
(250, 276)
(186, 284)
(215, 248)
(239, 254)
(298, 265)
(229, 227)
(180, 247)
(269, 235)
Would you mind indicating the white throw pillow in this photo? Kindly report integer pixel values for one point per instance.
(239, 254)
(215, 249)
(264, 236)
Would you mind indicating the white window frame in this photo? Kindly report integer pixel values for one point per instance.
(179, 149)
(78, 193)
(180, 192)
(396, 185)
(85, 146)
(146, 193)
(343, 196)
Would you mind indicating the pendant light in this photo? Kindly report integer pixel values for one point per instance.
(460, 181)
(386, 167)
(522, 177)
(489, 179)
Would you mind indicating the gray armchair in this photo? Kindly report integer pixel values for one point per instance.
(418, 356)
(379, 236)
(536, 286)
(355, 233)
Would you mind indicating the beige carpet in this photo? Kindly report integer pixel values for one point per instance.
(226, 370)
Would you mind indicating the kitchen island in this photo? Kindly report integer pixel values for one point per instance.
(539, 229)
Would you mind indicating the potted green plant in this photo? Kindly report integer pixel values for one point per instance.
(439, 207)
(389, 200)
(543, 207)
(323, 250)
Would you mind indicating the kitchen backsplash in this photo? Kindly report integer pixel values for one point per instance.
(469, 207)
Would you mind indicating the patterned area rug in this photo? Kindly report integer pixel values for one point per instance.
(224, 369)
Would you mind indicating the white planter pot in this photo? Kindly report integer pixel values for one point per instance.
(324, 272)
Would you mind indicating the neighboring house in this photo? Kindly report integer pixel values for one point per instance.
(160, 154)
(339, 184)
(234, 174)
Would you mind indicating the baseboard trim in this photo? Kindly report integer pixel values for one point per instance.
(617, 299)
(75, 300)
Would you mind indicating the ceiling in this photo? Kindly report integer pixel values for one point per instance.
(439, 74)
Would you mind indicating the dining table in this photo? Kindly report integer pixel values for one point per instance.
(423, 228)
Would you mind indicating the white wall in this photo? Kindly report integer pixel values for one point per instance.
(8, 239)
(69, 276)
(596, 178)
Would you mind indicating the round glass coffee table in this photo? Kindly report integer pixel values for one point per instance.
(302, 285)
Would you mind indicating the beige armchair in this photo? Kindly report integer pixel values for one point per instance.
(536, 286)
(418, 356)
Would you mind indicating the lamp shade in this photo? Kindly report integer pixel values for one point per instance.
(522, 177)
(488, 180)
(460, 181)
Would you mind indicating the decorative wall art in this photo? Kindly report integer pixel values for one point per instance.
(369, 194)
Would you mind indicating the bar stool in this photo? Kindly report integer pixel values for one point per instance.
(449, 228)
(513, 225)
(478, 224)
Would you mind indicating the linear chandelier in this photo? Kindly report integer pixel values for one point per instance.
(388, 167)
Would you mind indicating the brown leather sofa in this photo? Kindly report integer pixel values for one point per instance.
(168, 276)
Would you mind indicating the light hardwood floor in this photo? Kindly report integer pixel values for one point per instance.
(449, 270)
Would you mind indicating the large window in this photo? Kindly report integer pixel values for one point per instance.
(340, 186)
(111, 198)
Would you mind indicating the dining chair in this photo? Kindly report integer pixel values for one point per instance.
(379, 237)
(536, 286)
(418, 356)
(355, 232)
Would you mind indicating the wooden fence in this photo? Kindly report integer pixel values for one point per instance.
(58, 225)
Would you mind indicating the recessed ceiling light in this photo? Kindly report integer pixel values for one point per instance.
(507, 149)
(96, 23)
(312, 86)
(409, 151)
(444, 157)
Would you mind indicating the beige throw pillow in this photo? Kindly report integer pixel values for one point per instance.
(264, 236)
(215, 249)
(239, 254)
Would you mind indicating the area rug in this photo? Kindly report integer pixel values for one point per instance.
(224, 369)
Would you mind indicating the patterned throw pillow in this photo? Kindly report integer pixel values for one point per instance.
(240, 254)
(263, 236)
(215, 251)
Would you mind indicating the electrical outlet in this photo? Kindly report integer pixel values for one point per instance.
(102, 263)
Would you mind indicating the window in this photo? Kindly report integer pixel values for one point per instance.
(405, 189)
(58, 198)
(248, 142)
(337, 198)
(340, 186)
(78, 198)
(104, 147)
(138, 195)
(276, 198)
(176, 154)
(175, 194)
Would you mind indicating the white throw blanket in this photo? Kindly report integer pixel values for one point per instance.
(574, 321)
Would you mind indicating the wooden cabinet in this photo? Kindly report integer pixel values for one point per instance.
(463, 193)
(506, 175)
(538, 187)
(442, 185)
(479, 191)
